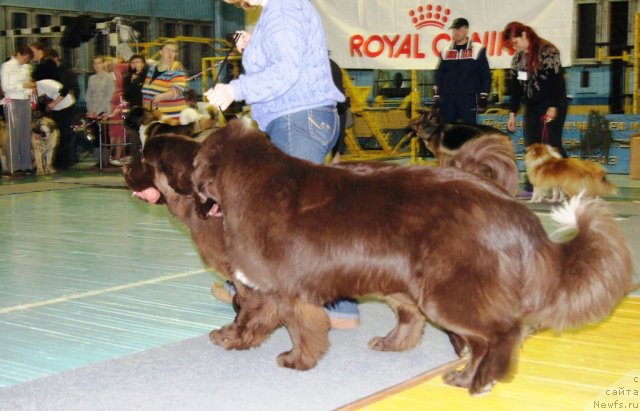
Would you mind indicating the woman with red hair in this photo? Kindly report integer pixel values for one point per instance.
(537, 80)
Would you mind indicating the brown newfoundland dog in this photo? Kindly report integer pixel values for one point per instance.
(439, 243)
(162, 175)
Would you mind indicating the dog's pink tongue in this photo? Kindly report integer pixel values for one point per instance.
(150, 195)
(215, 211)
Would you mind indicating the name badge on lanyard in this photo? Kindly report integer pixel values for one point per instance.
(523, 75)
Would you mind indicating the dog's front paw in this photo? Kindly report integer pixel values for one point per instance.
(290, 359)
(386, 344)
(232, 337)
(227, 337)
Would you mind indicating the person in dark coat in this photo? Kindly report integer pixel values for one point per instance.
(463, 77)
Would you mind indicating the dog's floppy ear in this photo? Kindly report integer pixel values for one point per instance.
(176, 162)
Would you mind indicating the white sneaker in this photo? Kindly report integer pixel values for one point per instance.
(115, 162)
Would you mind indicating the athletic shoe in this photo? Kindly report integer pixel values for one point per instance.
(343, 314)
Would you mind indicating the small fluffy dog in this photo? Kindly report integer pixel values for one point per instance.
(44, 140)
(548, 171)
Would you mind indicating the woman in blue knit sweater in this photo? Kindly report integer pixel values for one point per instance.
(288, 84)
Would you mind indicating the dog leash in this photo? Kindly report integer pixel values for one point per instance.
(226, 57)
(545, 130)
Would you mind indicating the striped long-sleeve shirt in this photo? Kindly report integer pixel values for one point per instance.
(173, 78)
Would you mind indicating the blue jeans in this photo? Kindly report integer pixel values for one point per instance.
(307, 134)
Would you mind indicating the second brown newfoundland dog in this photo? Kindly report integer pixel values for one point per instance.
(438, 243)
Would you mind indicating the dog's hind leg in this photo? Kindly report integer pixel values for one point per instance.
(558, 195)
(538, 195)
(478, 346)
(308, 326)
(408, 331)
(496, 364)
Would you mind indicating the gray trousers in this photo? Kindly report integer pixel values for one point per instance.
(18, 146)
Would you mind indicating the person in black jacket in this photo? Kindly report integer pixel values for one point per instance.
(134, 80)
(463, 77)
(537, 80)
(47, 68)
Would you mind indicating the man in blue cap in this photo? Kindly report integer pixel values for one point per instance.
(463, 78)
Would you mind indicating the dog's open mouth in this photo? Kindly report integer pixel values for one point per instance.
(214, 208)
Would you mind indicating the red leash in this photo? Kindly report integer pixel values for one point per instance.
(545, 130)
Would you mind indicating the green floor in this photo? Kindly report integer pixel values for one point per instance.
(88, 273)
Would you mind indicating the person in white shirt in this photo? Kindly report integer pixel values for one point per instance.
(15, 77)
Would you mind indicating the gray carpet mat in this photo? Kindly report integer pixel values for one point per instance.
(196, 375)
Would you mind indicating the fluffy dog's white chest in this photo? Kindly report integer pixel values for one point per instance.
(244, 280)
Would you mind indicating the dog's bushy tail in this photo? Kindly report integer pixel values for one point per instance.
(581, 280)
(491, 156)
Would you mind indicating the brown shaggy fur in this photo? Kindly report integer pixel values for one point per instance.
(491, 156)
(548, 171)
(434, 242)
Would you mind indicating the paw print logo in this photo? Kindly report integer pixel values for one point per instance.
(429, 15)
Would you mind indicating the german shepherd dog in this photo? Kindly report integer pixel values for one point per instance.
(446, 140)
